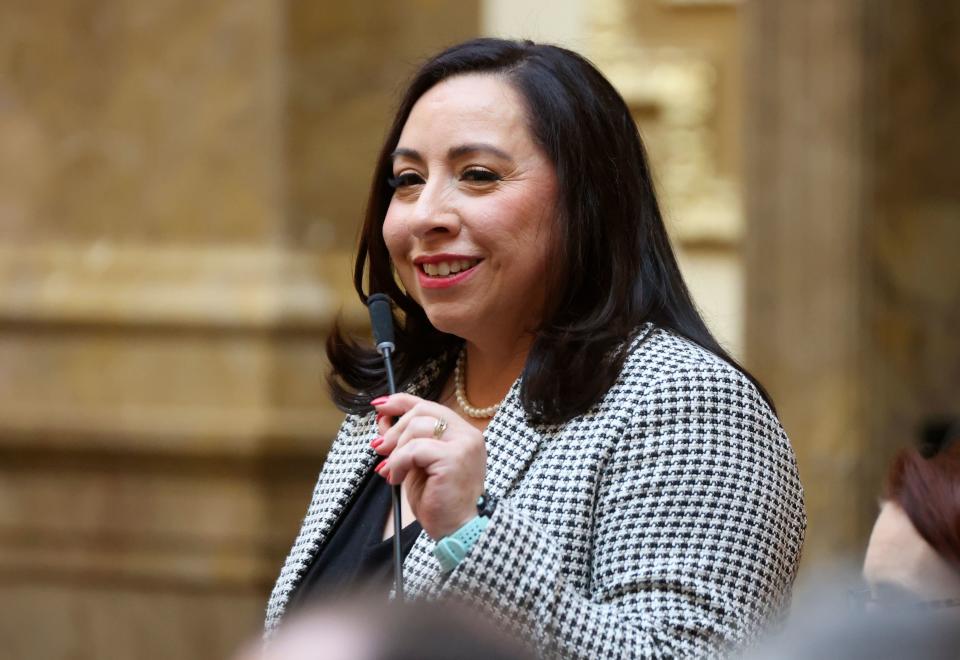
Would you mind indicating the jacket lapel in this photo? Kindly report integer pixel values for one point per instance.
(512, 443)
(348, 461)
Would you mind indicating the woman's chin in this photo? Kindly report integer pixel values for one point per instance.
(453, 324)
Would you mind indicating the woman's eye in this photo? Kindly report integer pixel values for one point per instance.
(405, 180)
(480, 175)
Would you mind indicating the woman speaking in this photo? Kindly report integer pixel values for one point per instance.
(639, 496)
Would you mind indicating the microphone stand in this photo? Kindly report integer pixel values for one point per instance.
(382, 322)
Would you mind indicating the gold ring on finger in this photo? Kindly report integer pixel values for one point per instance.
(439, 427)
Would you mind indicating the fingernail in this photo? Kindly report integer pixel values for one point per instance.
(379, 466)
(376, 442)
(379, 401)
(379, 416)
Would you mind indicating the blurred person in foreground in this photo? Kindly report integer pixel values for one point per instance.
(639, 495)
(363, 629)
(843, 634)
(913, 557)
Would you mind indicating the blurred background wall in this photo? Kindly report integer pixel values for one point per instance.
(180, 190)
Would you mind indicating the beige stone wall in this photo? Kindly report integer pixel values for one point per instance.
(122, 113)
(180, 185)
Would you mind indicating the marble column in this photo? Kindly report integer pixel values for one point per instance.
(853, 216)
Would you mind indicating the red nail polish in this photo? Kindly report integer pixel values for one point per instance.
(376, 442)
(379, 401)
(379, 466)
(378, 418)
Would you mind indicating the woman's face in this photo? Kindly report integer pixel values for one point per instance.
(470, 224)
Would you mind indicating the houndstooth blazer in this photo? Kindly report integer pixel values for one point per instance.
(667, 521)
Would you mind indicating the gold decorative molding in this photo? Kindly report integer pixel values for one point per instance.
(702, 3)
(239, 431)
(673, 94)
(172, 349)
(135, 285)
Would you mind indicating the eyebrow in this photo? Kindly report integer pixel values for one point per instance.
(454, 152)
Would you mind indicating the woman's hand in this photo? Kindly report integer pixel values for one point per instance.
(443, 477)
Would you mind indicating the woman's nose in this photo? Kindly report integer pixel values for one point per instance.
(434, 212)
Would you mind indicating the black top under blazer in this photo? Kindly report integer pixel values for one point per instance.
(667, 521)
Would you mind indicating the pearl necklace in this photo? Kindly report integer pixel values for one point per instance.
(459, 377)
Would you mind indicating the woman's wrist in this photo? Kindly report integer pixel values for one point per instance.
(453, 548)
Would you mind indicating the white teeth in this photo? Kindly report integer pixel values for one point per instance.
(446, 268)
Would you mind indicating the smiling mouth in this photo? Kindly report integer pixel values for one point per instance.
(443, 269)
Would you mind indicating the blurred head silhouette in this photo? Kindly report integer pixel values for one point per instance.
(374, 630)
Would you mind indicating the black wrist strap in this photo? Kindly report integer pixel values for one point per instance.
(486, 504)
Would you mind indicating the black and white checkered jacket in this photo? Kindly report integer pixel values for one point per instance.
(668, 521)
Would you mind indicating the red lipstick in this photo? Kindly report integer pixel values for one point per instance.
(444, 281)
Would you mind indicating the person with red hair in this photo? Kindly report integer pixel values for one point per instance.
(914, 550)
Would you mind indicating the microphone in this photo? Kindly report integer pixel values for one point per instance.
(381, 320)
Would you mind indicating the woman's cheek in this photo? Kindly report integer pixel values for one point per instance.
(390, 237)
(394, 241)
(407, 279)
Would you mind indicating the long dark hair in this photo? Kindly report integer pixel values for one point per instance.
(613, 267)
